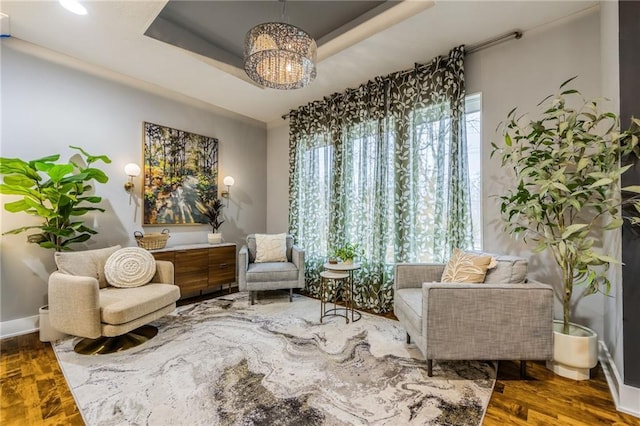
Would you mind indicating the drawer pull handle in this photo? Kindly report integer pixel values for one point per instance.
(223, 265)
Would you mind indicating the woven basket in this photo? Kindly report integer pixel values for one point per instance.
(152, 241)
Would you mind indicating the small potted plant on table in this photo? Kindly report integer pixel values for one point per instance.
(212, 211)
(347, 252)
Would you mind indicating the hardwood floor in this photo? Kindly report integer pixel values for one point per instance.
(547, 399)
(34, 392)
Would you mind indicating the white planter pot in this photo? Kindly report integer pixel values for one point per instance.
(47, 332)
(574, 354)
(214, 238)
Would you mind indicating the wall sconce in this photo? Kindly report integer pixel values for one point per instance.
(228, 181)
(132, 170)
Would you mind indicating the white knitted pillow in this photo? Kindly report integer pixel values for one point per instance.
(130, 267)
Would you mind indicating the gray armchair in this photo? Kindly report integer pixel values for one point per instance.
(254, 277)
(504, 318)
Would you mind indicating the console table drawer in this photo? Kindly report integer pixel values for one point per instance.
(201, 267)
(222, 265)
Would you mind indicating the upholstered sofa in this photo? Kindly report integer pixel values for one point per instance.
(254, 277)
(504, 318)
(82, 303)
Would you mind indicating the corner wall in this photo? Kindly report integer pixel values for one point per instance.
(48, 105)
(278, 177)
(520, 73)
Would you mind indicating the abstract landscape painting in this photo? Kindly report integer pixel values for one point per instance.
(180, 169)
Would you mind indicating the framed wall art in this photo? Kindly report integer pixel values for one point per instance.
(180, 170)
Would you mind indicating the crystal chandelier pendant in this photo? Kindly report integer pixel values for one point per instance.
(280, 56)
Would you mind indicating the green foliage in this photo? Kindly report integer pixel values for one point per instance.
(212, 210)
(348, 251)
(567, 170)
(56, 192)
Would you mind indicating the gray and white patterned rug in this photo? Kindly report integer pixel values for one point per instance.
(223, 362)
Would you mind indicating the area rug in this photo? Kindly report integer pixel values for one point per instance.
(223, 362)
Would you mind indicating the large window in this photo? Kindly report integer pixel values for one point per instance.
(370, 185)
(386, 165)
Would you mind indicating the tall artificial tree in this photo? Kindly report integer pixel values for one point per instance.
(566, 163)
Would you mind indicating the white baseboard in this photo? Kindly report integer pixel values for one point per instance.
(626, 398)
(19, 326)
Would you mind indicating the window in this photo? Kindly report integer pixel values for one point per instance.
(473, 111)
(369, 165)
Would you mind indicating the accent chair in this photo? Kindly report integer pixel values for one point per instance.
(254, 277)
(83, 304)
(503, 318)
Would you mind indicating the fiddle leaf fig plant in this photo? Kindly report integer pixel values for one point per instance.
(566, 163)
(56, 192)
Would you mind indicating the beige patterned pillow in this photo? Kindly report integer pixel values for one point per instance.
(87, 263)
(466, 267)
(271, 248)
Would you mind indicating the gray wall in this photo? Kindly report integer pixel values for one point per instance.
(278, 178)
(612, 335)
(520, 74)
(629, 24)
(49, 104)
(516, 73)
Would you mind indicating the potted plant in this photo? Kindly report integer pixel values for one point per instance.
(567, 170)
(348, 252)
(58, 193)
(212, 210)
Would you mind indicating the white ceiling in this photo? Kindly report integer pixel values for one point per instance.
(112, 36)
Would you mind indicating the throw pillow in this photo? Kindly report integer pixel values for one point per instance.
(88, 263)
(271, 248)
(464, 267)
(130, 267)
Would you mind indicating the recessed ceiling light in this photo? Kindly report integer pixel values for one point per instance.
(73, 6)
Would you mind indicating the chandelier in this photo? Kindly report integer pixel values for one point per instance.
(280, 56)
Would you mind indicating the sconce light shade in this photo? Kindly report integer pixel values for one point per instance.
(228, 181)
(132, 169)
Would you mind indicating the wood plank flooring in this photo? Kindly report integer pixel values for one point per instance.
(544, 398)
(34, 392)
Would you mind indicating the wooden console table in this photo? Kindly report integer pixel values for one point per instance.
(200, 267)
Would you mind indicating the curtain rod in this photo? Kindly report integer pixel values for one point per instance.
(516, 34)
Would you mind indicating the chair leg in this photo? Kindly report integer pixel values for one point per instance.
(291, 295)
(251, 296)
(429, 367)
(523, 369)
(408, 339)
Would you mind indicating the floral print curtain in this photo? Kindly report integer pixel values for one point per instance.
(383, 165)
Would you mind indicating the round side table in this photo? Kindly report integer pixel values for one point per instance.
(348, 293)
(338, 278)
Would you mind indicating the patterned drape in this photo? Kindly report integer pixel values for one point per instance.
(383, 165)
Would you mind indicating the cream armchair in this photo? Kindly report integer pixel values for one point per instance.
(83, 304)
(504, 318)
(254, 277)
